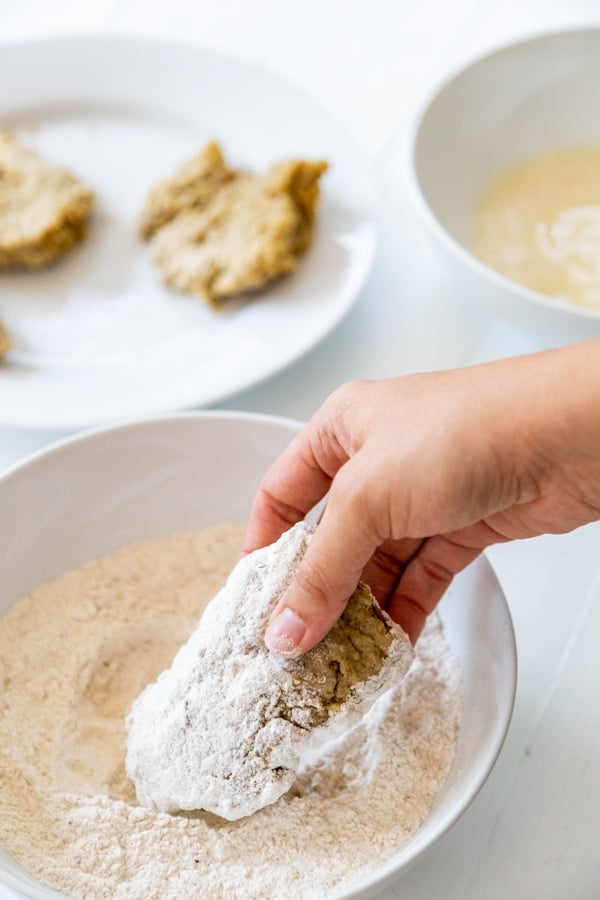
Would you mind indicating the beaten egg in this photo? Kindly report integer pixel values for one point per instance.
(539, 224)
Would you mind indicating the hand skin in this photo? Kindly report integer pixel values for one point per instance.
(423, 473)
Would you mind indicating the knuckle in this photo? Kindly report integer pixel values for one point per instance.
(359, 496)
(313, 583)
(348, 393)
(406, 605)
(348, 491)
(436, 571)
(268, 505)
(339, 420)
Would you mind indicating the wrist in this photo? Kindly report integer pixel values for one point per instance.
(556, 418)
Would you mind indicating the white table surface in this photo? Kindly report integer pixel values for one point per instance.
(534, 831)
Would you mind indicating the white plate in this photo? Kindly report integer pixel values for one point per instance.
(96, 337)
(91, 494)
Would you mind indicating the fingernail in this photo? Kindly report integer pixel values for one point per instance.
(285, 633)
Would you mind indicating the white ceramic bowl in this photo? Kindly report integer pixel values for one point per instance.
(89, 495)
(524, 99)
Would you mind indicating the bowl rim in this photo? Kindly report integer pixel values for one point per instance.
(132, 422)
(426, 213)
(387, 872)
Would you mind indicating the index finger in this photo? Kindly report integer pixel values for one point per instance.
(296, 481)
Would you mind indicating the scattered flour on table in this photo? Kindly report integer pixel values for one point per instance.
(78, 651)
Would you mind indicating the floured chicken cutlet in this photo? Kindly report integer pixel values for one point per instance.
(43, 209)
(225, 728)
(4, 342)
(216, 232)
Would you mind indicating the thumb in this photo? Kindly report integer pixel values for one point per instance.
(329, 572)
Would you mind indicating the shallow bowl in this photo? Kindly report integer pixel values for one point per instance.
(89, 495)
(522, 100)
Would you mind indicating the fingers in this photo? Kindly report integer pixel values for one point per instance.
(297, 480)
(431, 570)
(384, 569)
(329, 572)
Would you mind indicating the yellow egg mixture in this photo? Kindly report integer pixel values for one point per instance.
(539, 224)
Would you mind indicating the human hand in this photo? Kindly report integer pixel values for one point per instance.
(423, 473)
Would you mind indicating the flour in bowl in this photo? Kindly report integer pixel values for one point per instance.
(73, 657)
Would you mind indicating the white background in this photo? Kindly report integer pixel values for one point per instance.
(534, 831)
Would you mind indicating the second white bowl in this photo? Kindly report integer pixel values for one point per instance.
(522, 100)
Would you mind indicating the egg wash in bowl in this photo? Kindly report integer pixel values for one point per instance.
(524, 104)
(539, 224)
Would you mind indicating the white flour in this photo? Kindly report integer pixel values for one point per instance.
(76, 653)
